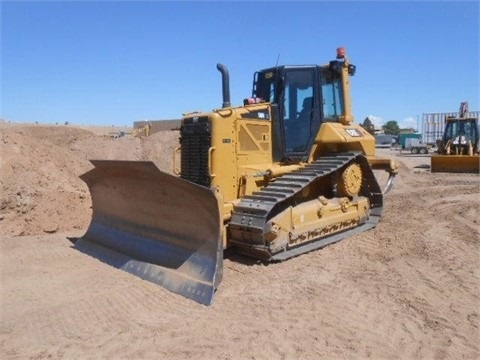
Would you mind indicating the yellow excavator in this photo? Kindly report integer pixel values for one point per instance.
(459, 149)
(284, 174)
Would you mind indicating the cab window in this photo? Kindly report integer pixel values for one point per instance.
(298, 108)
(333, 106)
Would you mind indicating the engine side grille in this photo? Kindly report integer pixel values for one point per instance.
(195, 139)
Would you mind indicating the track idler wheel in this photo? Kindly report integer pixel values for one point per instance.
(350, 180)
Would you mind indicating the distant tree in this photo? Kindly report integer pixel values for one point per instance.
(407, 131)
(368, 125)
(391, 128)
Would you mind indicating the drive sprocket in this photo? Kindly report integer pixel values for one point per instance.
(350, 181)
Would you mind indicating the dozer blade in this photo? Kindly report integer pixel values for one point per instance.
(154, 225)
(455, 163)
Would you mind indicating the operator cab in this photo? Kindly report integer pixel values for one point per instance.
(305, 97)
(461, 132)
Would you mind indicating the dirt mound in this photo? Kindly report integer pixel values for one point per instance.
(41, 189)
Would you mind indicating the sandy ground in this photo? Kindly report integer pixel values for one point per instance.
(407, 289)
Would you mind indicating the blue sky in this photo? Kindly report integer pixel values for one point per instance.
(116, 62)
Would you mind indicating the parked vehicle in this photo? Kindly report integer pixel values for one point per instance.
(459, 148)
(416, 146)
(269, 179)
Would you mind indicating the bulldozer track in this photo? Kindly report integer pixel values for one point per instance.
(251, 215)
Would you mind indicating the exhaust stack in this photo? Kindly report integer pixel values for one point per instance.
(225, 85)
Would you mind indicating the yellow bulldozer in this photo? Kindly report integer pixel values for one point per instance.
(284, 174)
(459, 149)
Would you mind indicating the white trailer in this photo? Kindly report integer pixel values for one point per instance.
(416, 146)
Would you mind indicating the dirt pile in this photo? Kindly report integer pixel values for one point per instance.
(40, 169)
